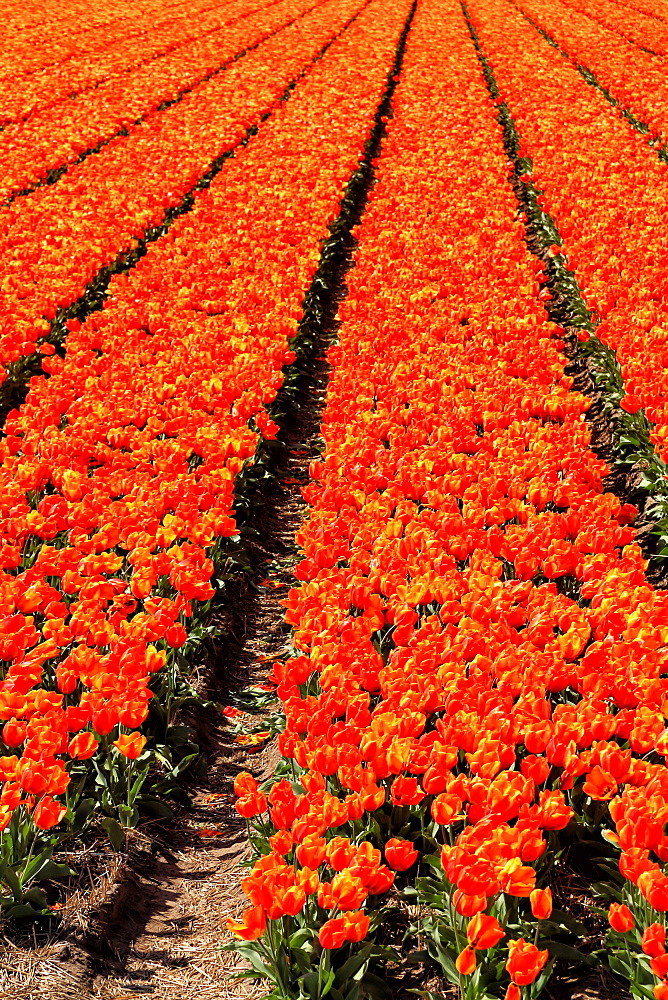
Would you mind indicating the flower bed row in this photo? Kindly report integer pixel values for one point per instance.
(479, 656)
(52, 138)
(634, 78)
(35, 15)
(639, 28)
(653, 8)
(44, 48)
(59, 82)
(56, 241)
(596, 177)
(118, 473)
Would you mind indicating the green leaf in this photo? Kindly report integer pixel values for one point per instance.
(37, 898)
(139, 781)
(327, 982)
(128, 815)
(52, 870)
(434, 861)
(256, 960)
(84, 811)
(184, 764)
(35, 865)
(11, 880)
(374, 987)
(178, 736)
(297, 940)
(617, 964)
(20, 910)
(561, 919)
(536, 988)
(154, 807)
(114, 831)
(606, 891)
(559, 950)
(303, 960)
(638, 990)
(417, 957)
(614, 873)
(311, 985)
(354, 964)
(445, 961)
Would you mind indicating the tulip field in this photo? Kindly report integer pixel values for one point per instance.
(458, 208)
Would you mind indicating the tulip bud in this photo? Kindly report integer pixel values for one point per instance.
(620, 918)
(466, 961)
(654, 940)
(541, 903)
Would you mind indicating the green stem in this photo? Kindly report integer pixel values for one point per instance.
(273, 947)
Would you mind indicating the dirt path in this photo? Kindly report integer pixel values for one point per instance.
(151, 920)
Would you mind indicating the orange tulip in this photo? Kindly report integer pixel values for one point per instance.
(48, 813)
(620, 918)
(525, 961)
(466, 961)
(517, 879)
(131, 746)
(654, 940)
(332, 934)
(400, 854)
(82, 746)
(348, 892)
(484, 931)
(541, 903)
(252, 924)
(311, 852)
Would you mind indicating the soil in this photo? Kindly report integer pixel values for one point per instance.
(155, 919)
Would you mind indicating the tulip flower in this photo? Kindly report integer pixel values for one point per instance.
(400, 854)
(653, 940)
(348, 892)
(281, 842)
(14, 733)
(82, 746)
(357, 925)
(541, 903)
(131, 746)
(311, 852)
(525, 961)
(484, 931)
(620, 918)
(251, 805)
(244, 783)
(466, 961)
(332, 934)
(659, 965)
(48, 813)
(251, 926)
(467, 905)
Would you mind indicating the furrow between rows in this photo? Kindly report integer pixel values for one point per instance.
(43, 148)
(474, 630)
(64, 242)
(136, 442)
(594, 176)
